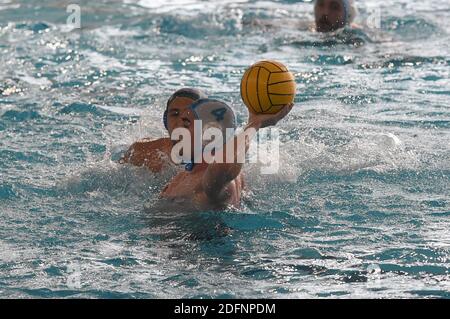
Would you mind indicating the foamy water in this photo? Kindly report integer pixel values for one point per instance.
(359, 208)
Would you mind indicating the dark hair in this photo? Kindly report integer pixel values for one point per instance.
(190, 93)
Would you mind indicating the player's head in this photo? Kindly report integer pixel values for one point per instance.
(331, 15)
(177, 104)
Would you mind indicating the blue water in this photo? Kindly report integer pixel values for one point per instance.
(360, 207)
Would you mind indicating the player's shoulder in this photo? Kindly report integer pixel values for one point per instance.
(161, 144)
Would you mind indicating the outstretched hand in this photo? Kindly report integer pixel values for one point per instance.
(266, 120)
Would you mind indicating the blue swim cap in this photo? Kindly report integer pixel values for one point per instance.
(193, 94)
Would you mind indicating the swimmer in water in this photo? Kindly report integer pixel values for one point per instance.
(155, 154)
(332, 15)
(215, 185)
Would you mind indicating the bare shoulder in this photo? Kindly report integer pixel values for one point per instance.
(161, 144)
(148, 152)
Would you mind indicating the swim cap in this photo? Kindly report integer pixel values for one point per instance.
(214, 113)
(193, 94)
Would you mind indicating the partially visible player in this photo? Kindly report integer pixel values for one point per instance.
(329, 16)
(332, 15)
(218, 184)
(155, 154)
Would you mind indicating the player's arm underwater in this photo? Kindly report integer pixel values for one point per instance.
(219, 174)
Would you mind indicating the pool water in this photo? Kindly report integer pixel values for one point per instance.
(360, 207)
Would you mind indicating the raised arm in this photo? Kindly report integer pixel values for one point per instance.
(219, 175)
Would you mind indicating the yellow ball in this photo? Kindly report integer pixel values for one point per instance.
(267, 87)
